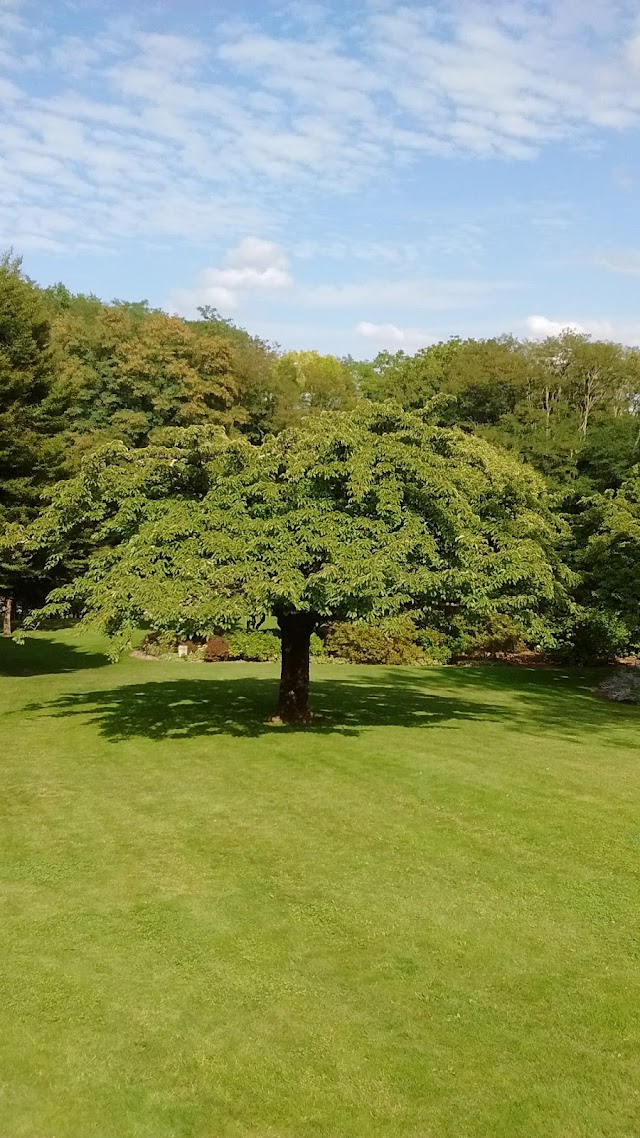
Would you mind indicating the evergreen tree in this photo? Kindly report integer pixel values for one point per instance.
(30, 420)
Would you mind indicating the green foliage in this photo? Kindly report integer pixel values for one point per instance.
(258, 646)
(29, 413)
(30, 420)
(390, 642)
(307, 383)
(354, 515)
(436, 646)
(592, 637)
(568, 405)
(128, 372)
(317, 647)
(77, 374)
(607, 554)
(259, 393)
(409, 380)
(497, 634)
(611, 448)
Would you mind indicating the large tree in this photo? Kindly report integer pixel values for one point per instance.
(351, 515)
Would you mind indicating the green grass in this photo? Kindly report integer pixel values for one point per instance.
(416, 919)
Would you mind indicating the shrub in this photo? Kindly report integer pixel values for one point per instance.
(388, 642)
(593, 638)
(258, 646)
(317, 646)
(499, 634)
(159, 644)
(435, 645)
(216, 649)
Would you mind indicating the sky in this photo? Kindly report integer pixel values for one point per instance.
(347, 176)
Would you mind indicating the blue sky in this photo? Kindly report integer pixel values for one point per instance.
(346, 176)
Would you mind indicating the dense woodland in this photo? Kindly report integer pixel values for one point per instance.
(78, 375)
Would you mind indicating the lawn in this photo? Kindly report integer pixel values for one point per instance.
(415, 919)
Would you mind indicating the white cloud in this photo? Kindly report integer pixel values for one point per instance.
(253, 264)
(623, 333)
(541, 326)
(390, 335)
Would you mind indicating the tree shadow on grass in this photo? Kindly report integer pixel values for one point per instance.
(42, 656)
(191, 708)
(560, 700)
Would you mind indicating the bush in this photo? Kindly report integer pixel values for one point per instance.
(160, 644)
(435, 645)
(593, 638)
(388, 642)
(317, 646)
(499, 634)
(258, 646)
(216, 649)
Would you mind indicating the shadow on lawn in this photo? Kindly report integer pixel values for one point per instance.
(44, 657)
(189, 708)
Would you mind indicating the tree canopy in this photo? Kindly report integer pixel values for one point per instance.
(128, 372)
(350, 515)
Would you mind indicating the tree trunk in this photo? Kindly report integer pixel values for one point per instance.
(293, 700)
(6, 615)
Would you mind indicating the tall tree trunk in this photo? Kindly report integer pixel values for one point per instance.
(7, 604)
(293, 700)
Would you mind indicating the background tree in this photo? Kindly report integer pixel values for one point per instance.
(568, 404)
(306, 383)
(30, 420)
(252, 366)
(409, 380)
(127, 371)
(610, 450)
(352, 515)
(607, 553)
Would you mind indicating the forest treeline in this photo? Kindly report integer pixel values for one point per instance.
(76, 373)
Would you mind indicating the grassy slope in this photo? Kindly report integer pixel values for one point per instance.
(416, 920)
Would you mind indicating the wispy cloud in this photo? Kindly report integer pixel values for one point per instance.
(256, 264)
(466, 239)
(389, 335)
(167, 136)
(427, 294)
(627, 263)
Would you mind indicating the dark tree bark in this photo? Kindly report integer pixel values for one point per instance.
(7, 604)
(293, 700)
